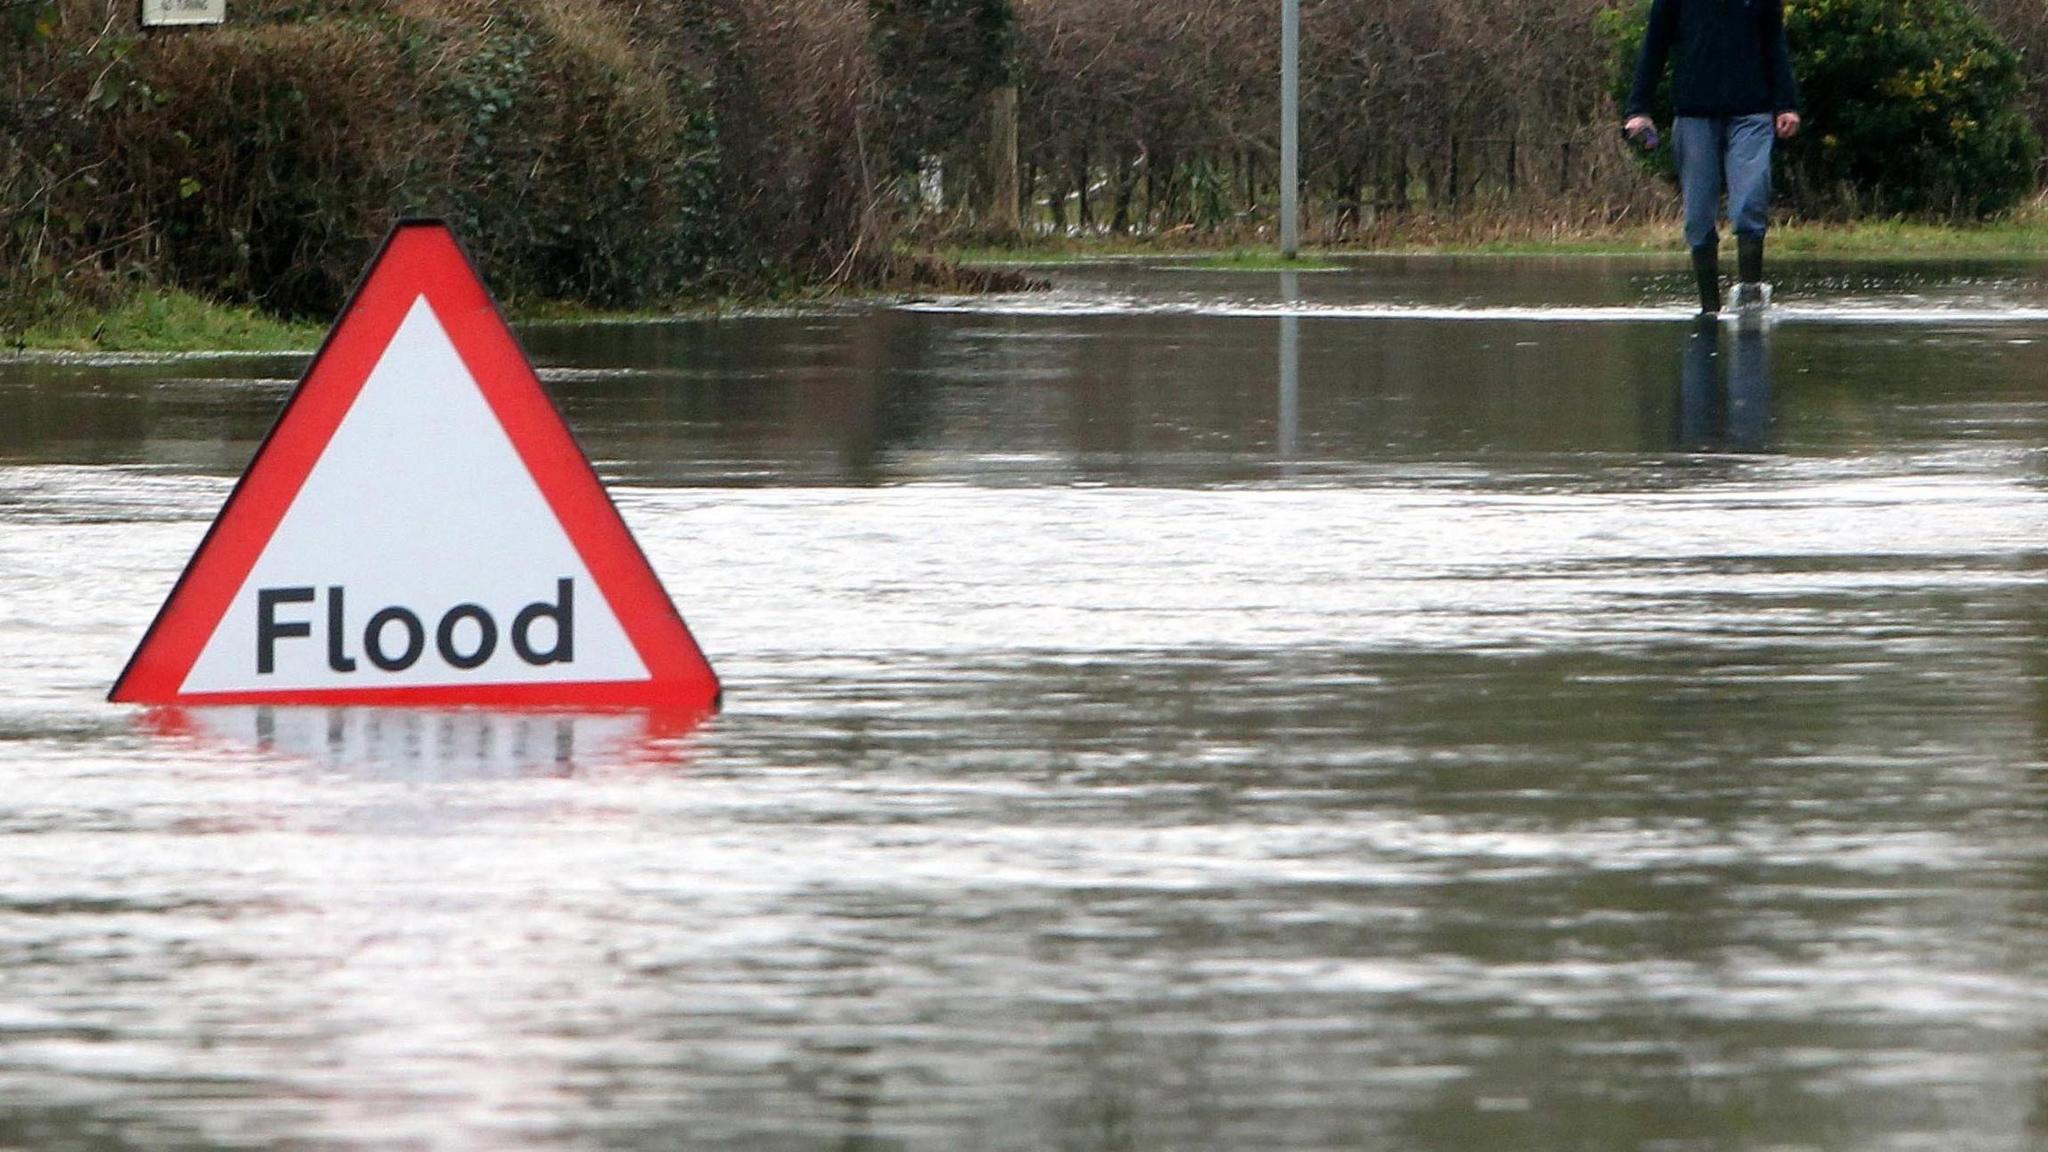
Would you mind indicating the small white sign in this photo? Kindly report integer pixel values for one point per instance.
(171, 13)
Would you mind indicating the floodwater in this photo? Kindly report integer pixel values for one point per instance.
(1434, 705)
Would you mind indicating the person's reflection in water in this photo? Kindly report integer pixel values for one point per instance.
(1731, 414)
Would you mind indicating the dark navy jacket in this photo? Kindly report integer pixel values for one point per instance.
(1732, 58)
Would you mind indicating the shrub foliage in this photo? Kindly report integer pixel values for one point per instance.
(580, 146)
(937, 61)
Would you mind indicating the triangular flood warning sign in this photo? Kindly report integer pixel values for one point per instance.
(420, 528)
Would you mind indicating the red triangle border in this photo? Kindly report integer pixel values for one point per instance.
(424, 258)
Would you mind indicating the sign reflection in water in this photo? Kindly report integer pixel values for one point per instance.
(425, 745)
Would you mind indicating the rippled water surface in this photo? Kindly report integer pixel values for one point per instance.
(1432, 705)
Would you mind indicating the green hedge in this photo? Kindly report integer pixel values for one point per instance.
(598, 151)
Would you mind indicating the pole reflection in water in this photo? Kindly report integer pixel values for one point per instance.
(1731, 413)
(1290, 370)
(423, 745)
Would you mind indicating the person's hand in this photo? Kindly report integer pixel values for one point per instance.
(1635, 126)
(1788, 125)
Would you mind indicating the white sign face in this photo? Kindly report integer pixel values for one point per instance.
(161, 13)
(420, 552)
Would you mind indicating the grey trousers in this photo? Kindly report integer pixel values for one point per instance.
(1731, 152)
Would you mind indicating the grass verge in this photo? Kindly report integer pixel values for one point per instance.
(155, 321)
(2021, 235)
(151, 321)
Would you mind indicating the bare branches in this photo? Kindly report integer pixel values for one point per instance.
(1438, 105)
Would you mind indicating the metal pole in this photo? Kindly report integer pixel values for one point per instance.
(1290, 128)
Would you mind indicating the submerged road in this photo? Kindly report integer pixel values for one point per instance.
(1516, 733)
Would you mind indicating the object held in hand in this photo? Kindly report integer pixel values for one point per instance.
(1645, 138)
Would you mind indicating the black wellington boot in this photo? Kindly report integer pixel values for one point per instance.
(1749, 272)
(1706, 269)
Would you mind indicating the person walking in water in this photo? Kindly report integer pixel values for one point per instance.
(1735, 95)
